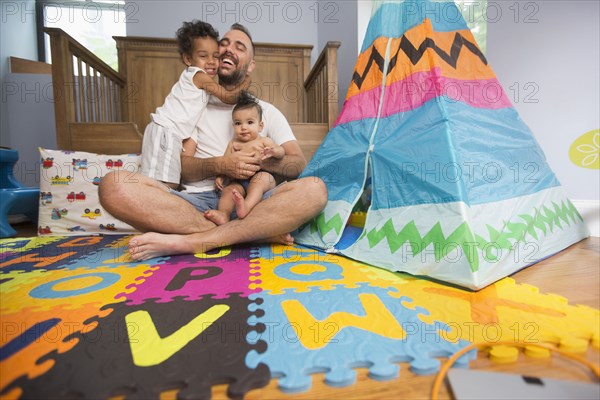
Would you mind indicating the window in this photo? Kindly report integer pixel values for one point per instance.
(91, 23)
(474, 12)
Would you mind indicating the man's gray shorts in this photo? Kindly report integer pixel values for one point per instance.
(209, 200)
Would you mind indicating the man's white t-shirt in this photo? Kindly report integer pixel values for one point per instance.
(183, 106)
(215, 130)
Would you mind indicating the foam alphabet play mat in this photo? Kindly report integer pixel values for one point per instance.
(79, 319)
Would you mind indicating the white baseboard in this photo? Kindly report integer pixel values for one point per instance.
(590, 211)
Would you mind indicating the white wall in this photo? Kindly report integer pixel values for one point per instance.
(31, 123)
(268, 21)
(17, 39)
(26, 108)
(338, 21)
(550, 52)
(557, 54)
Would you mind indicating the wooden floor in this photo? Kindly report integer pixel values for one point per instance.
(573, 273)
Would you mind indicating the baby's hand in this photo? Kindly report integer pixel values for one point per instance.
(275, 152)
(267, 152)
(220, 183)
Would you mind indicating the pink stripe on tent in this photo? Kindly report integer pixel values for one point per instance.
(420, 87)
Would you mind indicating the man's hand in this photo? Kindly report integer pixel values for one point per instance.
(240, 165)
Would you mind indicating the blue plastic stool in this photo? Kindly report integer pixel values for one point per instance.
(14, 197)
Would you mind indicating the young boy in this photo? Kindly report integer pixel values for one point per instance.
(244, 195)
(175, 120)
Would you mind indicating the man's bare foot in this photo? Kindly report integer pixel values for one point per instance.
(216, 216)
(240, 204)
(285, 238)
(151, 245)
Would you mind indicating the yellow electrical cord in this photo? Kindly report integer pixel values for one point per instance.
(448, 364)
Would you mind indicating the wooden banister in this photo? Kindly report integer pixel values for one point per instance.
(62, 69)
(86, 89)
(321, 87)
(87, 56)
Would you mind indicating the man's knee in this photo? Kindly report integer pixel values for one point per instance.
(109, 190)
(315, 189)
(321, 191)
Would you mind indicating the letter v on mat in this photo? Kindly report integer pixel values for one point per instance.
(149, 349)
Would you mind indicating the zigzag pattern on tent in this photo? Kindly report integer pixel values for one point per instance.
(444, 64)
(545, 220)
(415, 54)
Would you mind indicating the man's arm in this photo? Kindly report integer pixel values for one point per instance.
(278, 129)
(237, 165)
(292, 163)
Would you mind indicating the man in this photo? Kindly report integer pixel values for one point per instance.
(151, 206)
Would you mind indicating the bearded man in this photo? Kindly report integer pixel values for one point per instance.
(174, 220)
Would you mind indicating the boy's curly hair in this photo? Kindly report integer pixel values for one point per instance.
(246, 101)
(191, 30)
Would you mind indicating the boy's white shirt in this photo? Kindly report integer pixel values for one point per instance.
(214, 131)
(183, 106)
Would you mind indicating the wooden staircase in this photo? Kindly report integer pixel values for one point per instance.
(101, 110)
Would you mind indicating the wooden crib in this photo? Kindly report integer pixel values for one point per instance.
(102, 110)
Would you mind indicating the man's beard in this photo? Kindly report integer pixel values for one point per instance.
(235, 78)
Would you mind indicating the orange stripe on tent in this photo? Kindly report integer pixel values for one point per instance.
(468, 65)
(374, 75)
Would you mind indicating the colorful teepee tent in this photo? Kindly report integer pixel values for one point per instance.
(454, 184)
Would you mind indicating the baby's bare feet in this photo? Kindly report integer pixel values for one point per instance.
(216, 216)
(240, 204)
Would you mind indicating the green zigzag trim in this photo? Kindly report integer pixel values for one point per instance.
(464, 238)
(324, 227)
(516, 231)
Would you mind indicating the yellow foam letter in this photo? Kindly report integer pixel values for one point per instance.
(149, 349)
(315, 334)
(223, 252)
